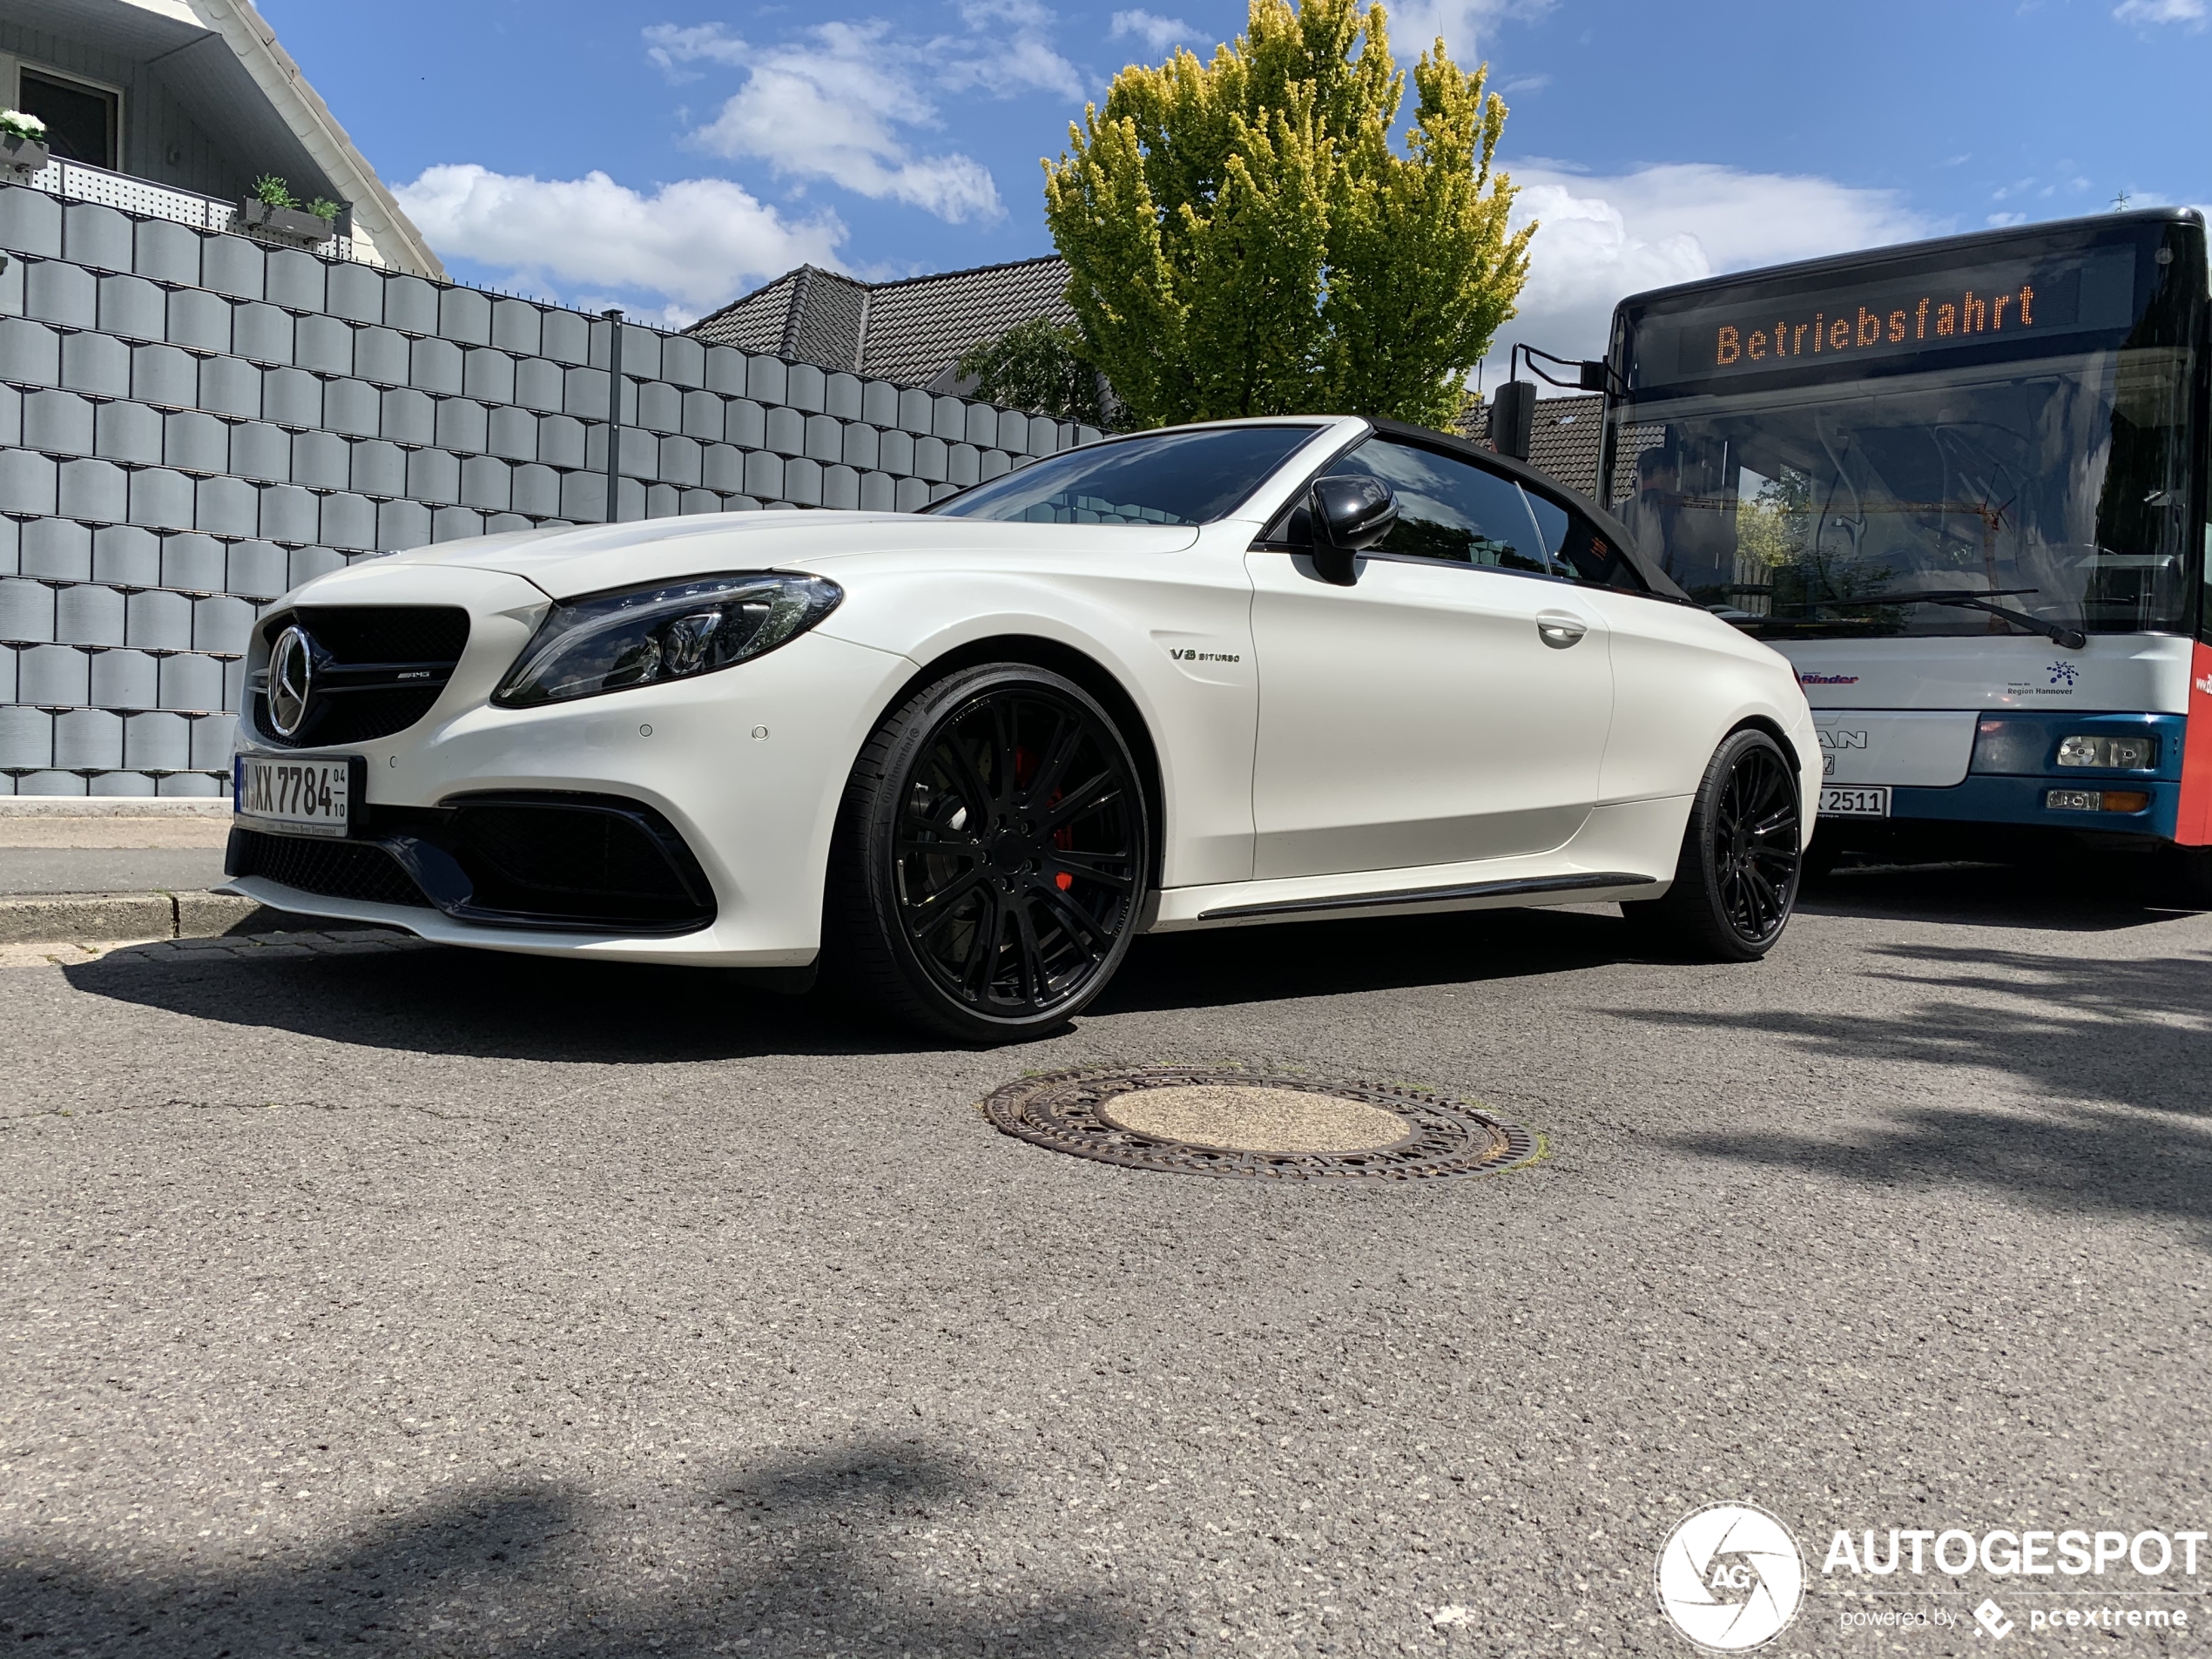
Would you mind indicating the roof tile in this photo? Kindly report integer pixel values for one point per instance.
(911, 331)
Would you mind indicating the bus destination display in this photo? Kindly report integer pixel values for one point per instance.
(1884, 317)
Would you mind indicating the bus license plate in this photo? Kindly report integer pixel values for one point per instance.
(312, 795)
(1854, 803)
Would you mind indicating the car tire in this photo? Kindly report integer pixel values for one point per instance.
(991, 858)
(1735, 881)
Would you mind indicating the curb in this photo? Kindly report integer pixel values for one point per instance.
(99, 918)
(114, 806)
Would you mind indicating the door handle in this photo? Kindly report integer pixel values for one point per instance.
(1558, 632)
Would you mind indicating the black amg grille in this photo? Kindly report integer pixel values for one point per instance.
(357, 870)
(354, 643)
(383, 633)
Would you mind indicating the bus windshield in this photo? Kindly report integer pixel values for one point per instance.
(2038, 462)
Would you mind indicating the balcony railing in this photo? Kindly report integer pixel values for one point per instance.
(76, 181)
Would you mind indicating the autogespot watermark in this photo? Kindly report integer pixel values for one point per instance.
(1730, 1577)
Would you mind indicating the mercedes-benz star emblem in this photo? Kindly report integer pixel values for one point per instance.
(292, 670)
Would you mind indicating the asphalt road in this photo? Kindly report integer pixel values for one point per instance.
(409, 1301)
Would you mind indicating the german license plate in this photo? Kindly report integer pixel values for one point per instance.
(302, 795)
(1846, 802)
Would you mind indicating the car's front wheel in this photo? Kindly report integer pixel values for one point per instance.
(1735, 881)
(991, 856)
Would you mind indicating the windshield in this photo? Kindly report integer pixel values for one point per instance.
(1179, 477)
(1812, 502)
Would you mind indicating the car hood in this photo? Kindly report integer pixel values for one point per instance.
(592, 558)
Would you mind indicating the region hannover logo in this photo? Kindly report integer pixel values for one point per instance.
(1730, 1577)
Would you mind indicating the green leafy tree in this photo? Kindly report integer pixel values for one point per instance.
(1244, 238)
(1039, 366)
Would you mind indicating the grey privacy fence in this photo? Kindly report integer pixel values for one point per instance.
(191, 423)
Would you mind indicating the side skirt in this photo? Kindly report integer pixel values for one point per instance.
(1521, 888)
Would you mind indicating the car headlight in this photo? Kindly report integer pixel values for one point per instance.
(612, 642)
(2119, 754)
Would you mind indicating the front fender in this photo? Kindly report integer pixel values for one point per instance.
(1174, 631)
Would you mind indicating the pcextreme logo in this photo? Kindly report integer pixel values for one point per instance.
(1730, 1577)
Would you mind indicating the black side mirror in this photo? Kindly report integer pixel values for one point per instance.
(1349, 515)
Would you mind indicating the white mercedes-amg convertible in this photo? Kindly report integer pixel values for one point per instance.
(1215, 676)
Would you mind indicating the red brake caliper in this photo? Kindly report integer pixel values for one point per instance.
(1025, 766)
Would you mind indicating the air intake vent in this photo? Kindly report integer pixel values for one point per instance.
(584, 860)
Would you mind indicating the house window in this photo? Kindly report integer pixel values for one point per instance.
(81, 121)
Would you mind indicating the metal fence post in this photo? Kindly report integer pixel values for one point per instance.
(614, 416)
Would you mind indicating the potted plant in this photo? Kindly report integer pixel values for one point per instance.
(23, 142)
(273, 208)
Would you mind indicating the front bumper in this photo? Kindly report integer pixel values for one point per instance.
(744, 766)
(2014, 769)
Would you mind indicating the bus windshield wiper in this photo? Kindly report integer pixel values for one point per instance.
(1969, 599)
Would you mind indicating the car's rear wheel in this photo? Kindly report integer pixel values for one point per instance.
(1735, 881)
(991, 857)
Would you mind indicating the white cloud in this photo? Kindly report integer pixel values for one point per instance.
(1999, 221)
(1006, 52)
(699, 242)
(840, 101)
(829, 104)
(1415, 25)
(1156, 33)
(1602, 239)
(670, 46)
(2190, 12)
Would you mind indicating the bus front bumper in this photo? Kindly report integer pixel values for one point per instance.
(2015, 779)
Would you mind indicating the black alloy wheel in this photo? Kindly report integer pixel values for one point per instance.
(992, 856)
(1735, 882)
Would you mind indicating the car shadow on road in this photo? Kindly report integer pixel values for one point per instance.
(484, 1004)
(488, 1005)
(2112, 1054)
(797, 1560)
(1214, 968)
(2094, 895)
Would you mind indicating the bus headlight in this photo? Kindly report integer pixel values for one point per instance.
(2113, 754)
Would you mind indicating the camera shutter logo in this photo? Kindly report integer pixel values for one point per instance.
(292, 674)
(1730, 1577)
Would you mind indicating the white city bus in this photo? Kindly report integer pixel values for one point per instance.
(1958, 484)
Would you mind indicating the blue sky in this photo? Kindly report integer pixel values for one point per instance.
(668, 159)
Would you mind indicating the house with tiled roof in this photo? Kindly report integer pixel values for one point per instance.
(1562, 440)
(911, 331)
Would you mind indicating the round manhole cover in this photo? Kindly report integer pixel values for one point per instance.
(1262, 1126)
